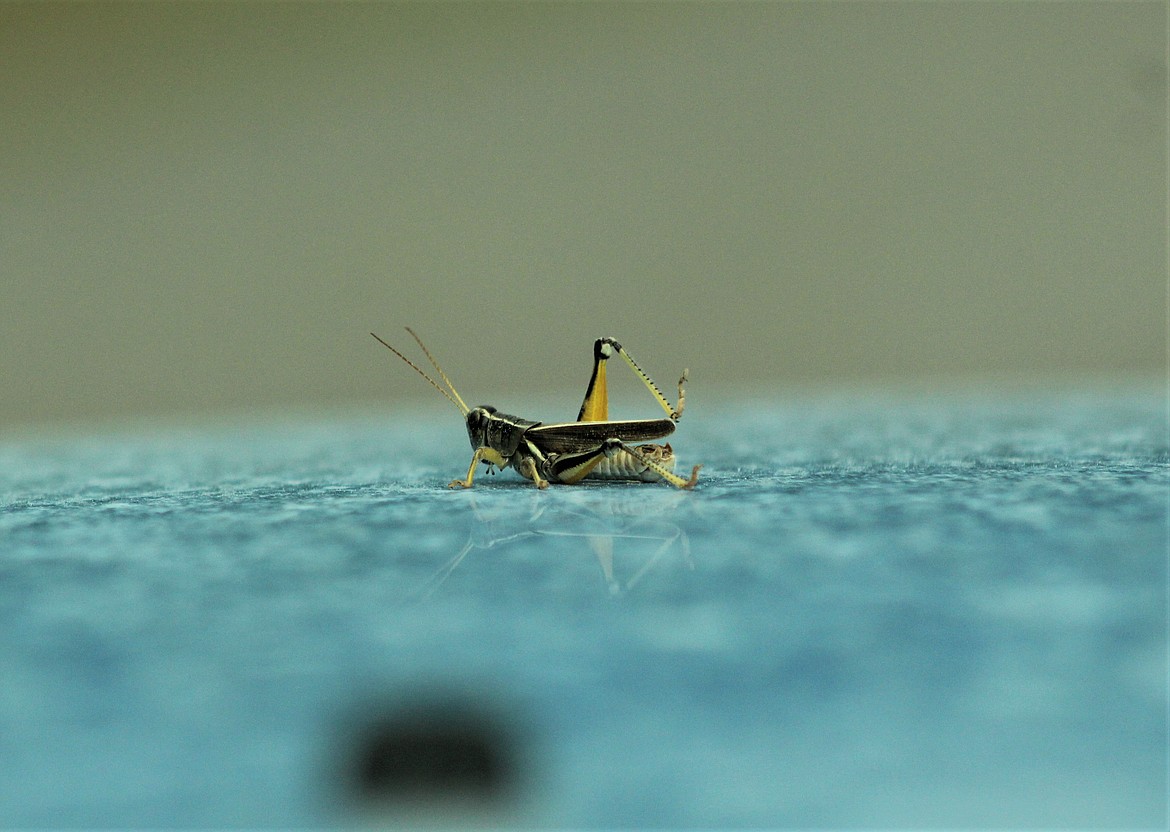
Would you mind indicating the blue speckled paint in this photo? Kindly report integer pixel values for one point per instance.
(927, 611)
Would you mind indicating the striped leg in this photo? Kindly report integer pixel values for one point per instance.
(595, 407)
(671, 477)
(572, 468)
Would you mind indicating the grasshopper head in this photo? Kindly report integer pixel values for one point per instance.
(478, 420)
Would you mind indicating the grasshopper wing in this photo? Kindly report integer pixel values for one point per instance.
(572, 437)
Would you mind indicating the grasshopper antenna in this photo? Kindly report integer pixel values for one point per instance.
(464, 409)
(439, 369)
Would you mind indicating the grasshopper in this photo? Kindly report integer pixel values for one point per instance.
(567, 452)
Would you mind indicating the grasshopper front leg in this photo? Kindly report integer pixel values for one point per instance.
(475, 460)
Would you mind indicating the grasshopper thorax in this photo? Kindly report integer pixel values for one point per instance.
(501, 432)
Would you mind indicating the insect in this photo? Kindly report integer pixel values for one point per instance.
(567, 452)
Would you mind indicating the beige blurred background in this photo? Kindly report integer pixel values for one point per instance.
(206, 208)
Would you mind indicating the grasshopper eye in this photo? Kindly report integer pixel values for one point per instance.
(478, 419)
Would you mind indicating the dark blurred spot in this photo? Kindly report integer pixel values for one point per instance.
(450, 754)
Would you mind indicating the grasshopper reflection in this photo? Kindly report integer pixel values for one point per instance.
(627, 543)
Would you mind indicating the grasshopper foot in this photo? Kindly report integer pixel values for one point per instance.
(694, 478)
(459, 484)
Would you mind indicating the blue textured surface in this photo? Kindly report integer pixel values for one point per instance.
(944, 611)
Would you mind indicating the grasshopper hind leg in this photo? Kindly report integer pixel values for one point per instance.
(665, 473)
(595, 407)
